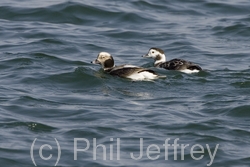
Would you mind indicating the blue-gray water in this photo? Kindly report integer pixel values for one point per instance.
(49, 89)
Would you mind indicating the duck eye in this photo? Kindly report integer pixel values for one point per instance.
(153, 52)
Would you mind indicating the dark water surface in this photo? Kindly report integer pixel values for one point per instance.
(49, 90)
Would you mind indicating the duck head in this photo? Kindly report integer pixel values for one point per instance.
(105, 60)
(157, 54)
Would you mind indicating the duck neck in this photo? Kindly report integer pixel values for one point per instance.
(107, 69)
(161, 58)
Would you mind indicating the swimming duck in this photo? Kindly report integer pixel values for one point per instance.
(125, 71)
(174, 64)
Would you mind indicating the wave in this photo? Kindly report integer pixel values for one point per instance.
(226, 8)
(68, 12)
(240, 111)
(34, 126)
(236, 29)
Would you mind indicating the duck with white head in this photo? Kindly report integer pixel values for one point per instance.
(132, 72)
(174, 64)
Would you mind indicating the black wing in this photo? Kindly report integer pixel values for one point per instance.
(179, 64)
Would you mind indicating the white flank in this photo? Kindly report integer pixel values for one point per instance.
(189, 71)
(145, 75)
(129, 66)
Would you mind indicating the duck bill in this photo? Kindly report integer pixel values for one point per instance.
(96, 62)
(146, 55)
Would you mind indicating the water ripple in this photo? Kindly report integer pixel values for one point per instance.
(49, 89)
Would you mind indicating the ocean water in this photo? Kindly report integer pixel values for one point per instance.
(56, 108)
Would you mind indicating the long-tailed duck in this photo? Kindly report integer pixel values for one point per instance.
(174, 64)
(124, 71)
